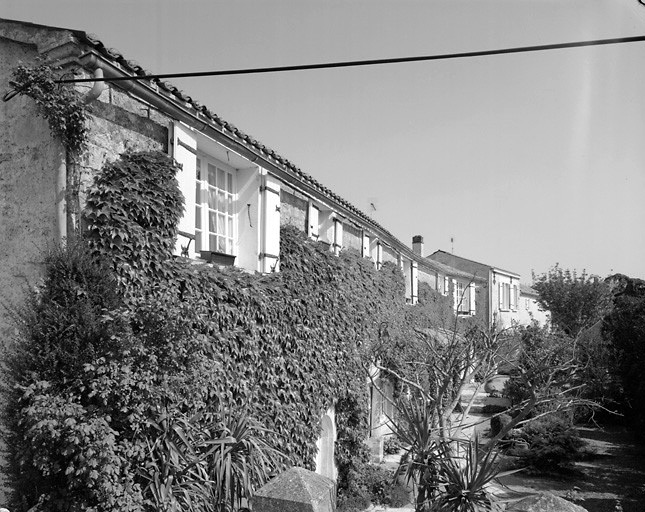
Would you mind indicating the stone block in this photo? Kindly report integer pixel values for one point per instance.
(296, 490)
(545, 502)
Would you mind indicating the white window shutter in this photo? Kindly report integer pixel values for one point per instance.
(366, 245)
(471, 294)
(414, 285)
(185, 153)
(338, 236)
(314, 221)
(271, 224)
(455, 298)
(500, 295)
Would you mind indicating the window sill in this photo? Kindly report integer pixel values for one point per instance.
(218, 258)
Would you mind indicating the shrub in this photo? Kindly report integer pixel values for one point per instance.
(371, 485)
(391, 446)
(553, 443)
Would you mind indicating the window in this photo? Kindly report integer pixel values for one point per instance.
(214, 207)
(465, 298)
(515, 298)
(504, 291)
(446, 285)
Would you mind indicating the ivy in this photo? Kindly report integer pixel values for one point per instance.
(131, 214)
(174, 336)
(60, 104)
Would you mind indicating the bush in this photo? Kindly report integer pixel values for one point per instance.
(553, 443)
(391, 446)
(370, 484)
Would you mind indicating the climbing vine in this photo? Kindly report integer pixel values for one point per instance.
(176, 336)
(60, 104)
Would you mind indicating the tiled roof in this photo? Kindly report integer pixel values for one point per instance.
(525, 289)
(168, 89)
(134, 68)
(478, 263)
(448, 270)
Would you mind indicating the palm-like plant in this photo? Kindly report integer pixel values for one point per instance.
(465, 479)
(419, 463)
(209, 462)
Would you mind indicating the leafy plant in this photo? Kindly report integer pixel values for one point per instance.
(420, 462)
(209, 462)
(465, 479)
(391, 446)
(553, 443)
(60, 104)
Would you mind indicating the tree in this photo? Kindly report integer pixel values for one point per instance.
(624, 326)
(576, 302)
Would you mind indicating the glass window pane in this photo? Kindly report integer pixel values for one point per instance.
(198, 167)
(221, 201)
(229, 183)
(221, 244)
(229, 209)
(212, 171)
(198, 217)
(212, 241)
(221, 179)
(212, 222)
(229, 231)
(212, 198)
(221, 223)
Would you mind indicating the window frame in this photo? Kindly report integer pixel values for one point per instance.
(203, 187)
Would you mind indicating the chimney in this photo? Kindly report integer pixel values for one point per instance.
(417, 245)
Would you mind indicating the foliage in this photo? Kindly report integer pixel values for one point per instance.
(372, 485)
(208, 462)
(553, 443)
(169, 339)
(464, 479)
(64, 448)
(60, 104)
(420, 462)
(575, 301)
(624, 327)
(391, 446)
(131, 215)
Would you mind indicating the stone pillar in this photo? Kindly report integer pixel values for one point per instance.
(296, 490)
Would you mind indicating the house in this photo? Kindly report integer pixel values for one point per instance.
(530, 310)
(237, 192)
(499, 289)
(462, 287)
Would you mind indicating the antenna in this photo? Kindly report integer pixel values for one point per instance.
(452, 245)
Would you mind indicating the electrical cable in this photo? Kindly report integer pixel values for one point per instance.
(357, 63)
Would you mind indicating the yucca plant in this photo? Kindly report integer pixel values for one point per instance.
(465, 478)
(209, 462)
(241, 464)
(420, 461)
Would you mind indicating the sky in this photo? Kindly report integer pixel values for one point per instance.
(523, 160)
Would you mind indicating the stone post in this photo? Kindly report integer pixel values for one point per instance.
(296, 490)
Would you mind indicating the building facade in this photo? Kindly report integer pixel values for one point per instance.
(499, 289)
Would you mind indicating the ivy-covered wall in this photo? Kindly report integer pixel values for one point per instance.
(285, 346)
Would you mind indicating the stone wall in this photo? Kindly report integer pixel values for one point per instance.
(293, 210)
(352, 237)
(30, 159)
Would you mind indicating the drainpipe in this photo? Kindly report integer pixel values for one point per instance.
(63, 220)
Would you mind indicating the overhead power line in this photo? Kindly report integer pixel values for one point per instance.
(373, 62)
